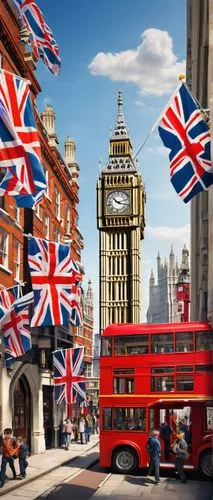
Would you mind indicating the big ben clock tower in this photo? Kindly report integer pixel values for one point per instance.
(120, 220)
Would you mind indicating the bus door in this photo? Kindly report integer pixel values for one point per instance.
(178, 419)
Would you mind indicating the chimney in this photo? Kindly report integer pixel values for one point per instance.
(48, 120)
(73, 167)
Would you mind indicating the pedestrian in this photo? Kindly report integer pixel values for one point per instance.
(23, 454)
(68, 428)
(88, 427)
(165, 433)
(93, 423)
(10, 450)
(75, 430)
(154, 449)
(180, 450)
(97, 424)
(82, 429)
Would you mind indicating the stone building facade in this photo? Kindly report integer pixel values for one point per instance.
(200, 80)
(26, 392)
(163, 292)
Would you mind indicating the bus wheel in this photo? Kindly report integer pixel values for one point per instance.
(124, 460)
(206, 463)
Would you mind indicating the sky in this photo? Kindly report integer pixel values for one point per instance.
(140, 48)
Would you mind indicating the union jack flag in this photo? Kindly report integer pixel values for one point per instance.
(184, 131)
(53, 273)
(76, 318)
(20, 154)
(68, 379)
(41, 37)
(15, 328)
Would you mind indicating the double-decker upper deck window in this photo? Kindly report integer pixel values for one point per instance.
(204, 341)
(184, 341)
(123, 385)
(185, 383)
(130, 419)
(106, 346)
(162, 384)
(137, 344)
(163, 343)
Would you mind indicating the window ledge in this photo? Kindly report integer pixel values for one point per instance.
(5, 269)
(4, 212)
(18, 225)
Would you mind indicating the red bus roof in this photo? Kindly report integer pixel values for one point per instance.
(144, 328)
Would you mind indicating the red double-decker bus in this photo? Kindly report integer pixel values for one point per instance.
(149, 374)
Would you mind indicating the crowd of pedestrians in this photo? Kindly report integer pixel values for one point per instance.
(79, 429)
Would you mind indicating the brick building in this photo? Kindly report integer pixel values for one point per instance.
(26, 392)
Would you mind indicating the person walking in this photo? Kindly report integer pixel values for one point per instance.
(23, 454)
(68, 427)
(154, 449)
(10, 449)
(180, 449)
(97, 424)
(165, 433)
(82, 428)
(88, 427)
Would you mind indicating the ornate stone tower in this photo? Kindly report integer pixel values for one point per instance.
(120, 220)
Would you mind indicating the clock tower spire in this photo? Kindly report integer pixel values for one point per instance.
(120, 219)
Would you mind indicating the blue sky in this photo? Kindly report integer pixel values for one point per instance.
(146, 69)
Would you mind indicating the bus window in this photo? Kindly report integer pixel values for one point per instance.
(185, 383)
(204, 368)
(162, 343)
(165, 369)
(184, 368)
(123, 385)
(131, 345)
(130, 419)
(162, 384)
(106, 346)
(107, 419)
(184, 341)
(204, 341)
(209, 418)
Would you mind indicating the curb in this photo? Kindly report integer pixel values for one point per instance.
(44, 473)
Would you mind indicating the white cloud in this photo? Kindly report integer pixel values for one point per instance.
(140, 104)
(158, 150)
(152, 66)
(171, 234)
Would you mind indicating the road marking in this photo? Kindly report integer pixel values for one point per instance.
(105, 480)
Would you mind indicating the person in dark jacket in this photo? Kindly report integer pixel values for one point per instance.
(181, 453)
(23, 454)
(154, 449)
(165, 433)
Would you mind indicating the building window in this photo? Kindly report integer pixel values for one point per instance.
(17, 214)
(107, 419)
(204, 341)
(2, 201)
(209, 418)
(162, 384)
(47, 226)
(130, 419)
(3, 248)
(57, 203)
(162, 343)
(106, 346)
(184, 341)
(68, 225)
(131, 345)
(123, 385)
(185, 383)
(17, 260)
(56, 234)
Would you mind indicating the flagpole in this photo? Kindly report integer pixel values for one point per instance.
(156, 123)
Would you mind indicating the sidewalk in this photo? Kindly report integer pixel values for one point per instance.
(41, 464)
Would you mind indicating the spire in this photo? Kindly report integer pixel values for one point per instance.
(172, 258)
(152, 278)
(120, 126)
(48, 120)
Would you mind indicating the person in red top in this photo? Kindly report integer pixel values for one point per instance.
(10, 448)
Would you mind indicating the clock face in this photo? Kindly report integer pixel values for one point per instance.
(118, 201)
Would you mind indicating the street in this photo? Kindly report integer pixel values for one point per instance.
(83, 478)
